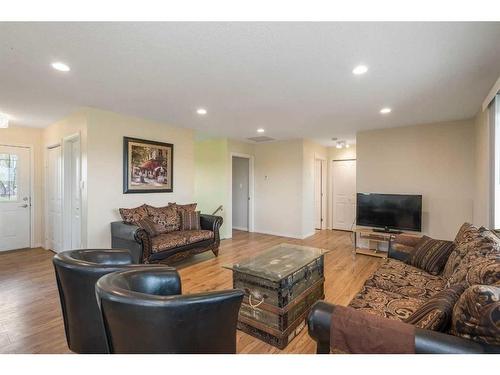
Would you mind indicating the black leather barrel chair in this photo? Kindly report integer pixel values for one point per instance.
(144, 311)
(77, 271)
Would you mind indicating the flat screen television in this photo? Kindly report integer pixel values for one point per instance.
(389, 211)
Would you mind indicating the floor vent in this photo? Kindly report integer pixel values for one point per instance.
(261, 139)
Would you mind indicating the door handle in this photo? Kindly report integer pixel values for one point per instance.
(24, 206)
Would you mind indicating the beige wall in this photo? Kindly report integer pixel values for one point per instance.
(23, 136)
(278, 188)
(481, 213)
(435, 160)
(105, 168)
(212, 180)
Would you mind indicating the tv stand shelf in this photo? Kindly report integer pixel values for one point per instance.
(375, 239)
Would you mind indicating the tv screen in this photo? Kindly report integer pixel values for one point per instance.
(392, 211)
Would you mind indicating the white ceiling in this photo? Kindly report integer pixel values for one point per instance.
(293, 79)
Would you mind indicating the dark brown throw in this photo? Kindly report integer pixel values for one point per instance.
(359, 332)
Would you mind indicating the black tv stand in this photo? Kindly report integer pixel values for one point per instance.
(387, 230)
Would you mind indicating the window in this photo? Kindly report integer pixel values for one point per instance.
(8, 177)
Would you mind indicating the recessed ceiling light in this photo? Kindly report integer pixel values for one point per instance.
(385, 111)
(62, 67)
(346, 146)
(4, 121)
(260, 130)
(360, 69)
(201, 111)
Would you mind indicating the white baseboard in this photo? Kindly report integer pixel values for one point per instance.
(308, 235)
(241, 228)
(280, 234)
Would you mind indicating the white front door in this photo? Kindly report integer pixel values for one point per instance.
(54, 199)
(344, 194)
(15, 198)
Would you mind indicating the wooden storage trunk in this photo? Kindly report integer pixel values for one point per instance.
(280, 287)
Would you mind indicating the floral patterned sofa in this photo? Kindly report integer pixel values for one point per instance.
(450, 286)
(165, 234)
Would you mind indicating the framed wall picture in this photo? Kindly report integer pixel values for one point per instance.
(148, 166)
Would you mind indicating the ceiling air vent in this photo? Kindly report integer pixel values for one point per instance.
(261, 139)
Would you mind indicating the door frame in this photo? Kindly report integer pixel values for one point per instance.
(332, 190)
(65, 223)
(324, 190)
(251, 195)
(30, 148)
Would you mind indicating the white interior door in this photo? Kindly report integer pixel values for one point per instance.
(54, 199)
(15, 198)
(72, 194)
(319, 194)
(344, 194)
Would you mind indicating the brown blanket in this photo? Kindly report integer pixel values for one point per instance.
(359, 332)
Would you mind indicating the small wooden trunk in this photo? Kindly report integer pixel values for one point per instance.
(280, 287)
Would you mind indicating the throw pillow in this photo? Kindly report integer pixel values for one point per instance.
(431, 255)
(152, 228)
(435, 314)
(180, 208)
(477, 268)
(190, 220)
(476, 315)
(165, 217)
(133, 215)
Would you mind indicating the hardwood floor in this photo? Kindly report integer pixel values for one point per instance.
(30, 316)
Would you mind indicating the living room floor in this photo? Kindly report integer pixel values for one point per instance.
(31, 320)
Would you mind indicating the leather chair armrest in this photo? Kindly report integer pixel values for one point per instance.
(318, 324)
(426, 342)
(210, 222)
(430, 342)
(124, 231)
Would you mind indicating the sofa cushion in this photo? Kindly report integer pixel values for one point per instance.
(190, 207)
(166, 217)
(477, 268)
(386, 304)
(430, 254)
(476, 315)
(190, 220)
(467, 235)
(406, 280)
(435, 314)
(193, 236)
(167, 241)
(133, 215)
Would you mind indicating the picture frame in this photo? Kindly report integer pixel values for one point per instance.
(148, 166)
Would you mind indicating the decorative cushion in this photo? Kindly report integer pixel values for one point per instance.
(477, 268)
(150, 226)
(193, 236)
(467, 233)
(431, 255)
(167, 241)
(133, 215)
(476, 315)
(187, 207)
(386, 304)
(166, 217)
(435, 314)
(403, 279)
(181, 208)
(190, 220)
(464, 241)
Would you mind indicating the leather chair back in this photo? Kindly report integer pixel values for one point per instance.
(77, 271)
(143, 312)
